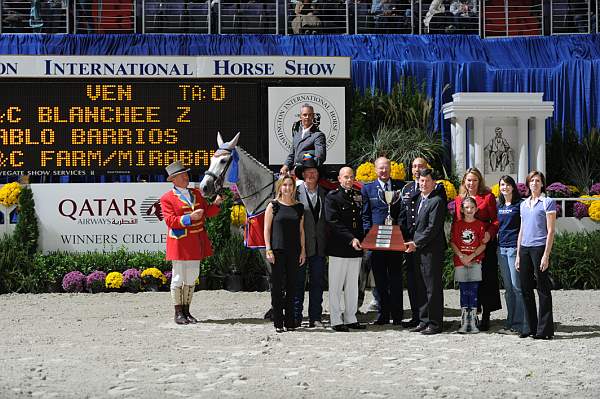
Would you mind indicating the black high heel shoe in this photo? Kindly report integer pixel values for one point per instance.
(545, 337)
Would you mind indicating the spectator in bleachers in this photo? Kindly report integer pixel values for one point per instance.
(436, 7)
(306, 21)
(465, 14)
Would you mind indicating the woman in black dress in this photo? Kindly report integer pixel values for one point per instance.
(284, 242)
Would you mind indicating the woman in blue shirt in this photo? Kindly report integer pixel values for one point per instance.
(536, 236)
(509, 223)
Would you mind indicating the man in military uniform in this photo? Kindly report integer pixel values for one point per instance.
(410, 196)
(343, 208)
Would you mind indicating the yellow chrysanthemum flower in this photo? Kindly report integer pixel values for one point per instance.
(450, 189)
(594, 210)
(114, 280)
(154, 272)
(573, 189)
(589, 203)
(496, 190)
(238, 215)
(365, 173)
(398, 172)
(9, 194)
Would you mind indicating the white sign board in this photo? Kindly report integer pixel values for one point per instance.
(247, 67)
(329, 104)
(80, 217)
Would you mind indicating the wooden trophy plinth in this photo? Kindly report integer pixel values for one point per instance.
(384, 238)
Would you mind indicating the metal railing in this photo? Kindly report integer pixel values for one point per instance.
(566, 205)
(513, 18)
(488, 18)
(34, 16)
(571, 17)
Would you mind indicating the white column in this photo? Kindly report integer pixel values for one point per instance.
(479, 144)
(523, 150)
(540, 141)
(461, 145)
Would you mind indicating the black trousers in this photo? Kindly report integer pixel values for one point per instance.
(411, 266)
(283, 281)
(387, 270)
(532, 277)
(430, 291)
(489, 288)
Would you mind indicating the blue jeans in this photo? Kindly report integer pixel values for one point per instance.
(513, 295)
(316, 271)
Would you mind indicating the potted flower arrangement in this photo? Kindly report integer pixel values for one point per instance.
(114, 281)
(94, 282)
(167, 285)
(153, 279)
(132, 280)
(73, 281)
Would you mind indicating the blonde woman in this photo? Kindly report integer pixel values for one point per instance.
(284, 242)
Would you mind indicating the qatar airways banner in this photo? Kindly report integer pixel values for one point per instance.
(81, 217)
(248, 67)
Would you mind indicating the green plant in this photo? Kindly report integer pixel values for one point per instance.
(16, 267)
(575, 260)
(574, 161)
(396, 125)
(26, 231)
(218, 227)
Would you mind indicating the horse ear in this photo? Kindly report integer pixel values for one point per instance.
(219, 139)
(234, 141)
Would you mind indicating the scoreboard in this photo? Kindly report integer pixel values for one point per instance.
(88, 127)
(101, 115)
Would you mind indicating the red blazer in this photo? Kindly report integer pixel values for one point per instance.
(186, 240)
(486, 212)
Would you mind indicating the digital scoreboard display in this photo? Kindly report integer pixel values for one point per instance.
(66, 127)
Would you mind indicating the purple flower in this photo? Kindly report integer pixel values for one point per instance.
(168, 274)
(451, 207)
(131, 274)
(595, 189)
(558, 209)
(558, 190)
(580, 210)
(132, 279)
(523, 190)
(73, 281)
(95, 281)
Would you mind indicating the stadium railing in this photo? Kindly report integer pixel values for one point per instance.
(487, 18)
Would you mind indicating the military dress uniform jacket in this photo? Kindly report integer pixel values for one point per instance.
(343, 210)
(186, 239)
(410, 199)
(314, 143)
(375, 208)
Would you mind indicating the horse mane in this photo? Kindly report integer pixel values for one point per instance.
(256, 161)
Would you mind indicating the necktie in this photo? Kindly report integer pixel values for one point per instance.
(421, 204)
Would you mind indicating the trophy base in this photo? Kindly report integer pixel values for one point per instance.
(384, 238)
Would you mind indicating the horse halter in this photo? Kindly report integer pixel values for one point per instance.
(218, 179)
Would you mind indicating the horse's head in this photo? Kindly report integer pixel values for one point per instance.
(219, 163)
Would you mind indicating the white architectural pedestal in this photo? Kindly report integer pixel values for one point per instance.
(498, 133)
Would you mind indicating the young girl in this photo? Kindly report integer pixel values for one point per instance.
(467, 243)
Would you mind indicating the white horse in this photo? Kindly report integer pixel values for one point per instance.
(255, 182)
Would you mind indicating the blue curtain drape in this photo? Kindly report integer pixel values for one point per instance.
(565, 68)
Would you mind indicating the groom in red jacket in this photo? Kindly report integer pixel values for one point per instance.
(185, 211)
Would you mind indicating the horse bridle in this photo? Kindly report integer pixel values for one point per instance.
(221, 177)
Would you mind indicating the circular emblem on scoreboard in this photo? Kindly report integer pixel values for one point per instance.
(287, 118)
(150, 210)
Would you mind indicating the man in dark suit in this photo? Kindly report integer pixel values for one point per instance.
(312, 196)
(429, 246)
(386, 265)
(410, 194)
(306, 137)
(343, 208)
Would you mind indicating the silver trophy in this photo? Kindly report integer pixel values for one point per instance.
(391, 197)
